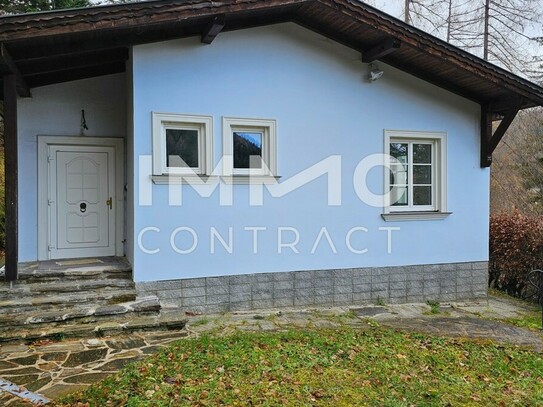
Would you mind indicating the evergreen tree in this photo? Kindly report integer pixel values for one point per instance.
(32, 6)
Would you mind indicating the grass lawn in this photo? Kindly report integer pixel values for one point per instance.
(345, 367)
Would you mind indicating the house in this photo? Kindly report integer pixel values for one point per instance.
(249, 154)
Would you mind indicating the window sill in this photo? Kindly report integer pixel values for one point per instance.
(409, 216)
(178, 179)
(252, 179)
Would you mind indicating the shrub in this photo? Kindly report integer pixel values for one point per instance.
(516, 248)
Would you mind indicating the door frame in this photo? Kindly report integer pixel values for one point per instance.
(44, 218)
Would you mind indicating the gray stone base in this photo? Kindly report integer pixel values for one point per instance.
(404, 284)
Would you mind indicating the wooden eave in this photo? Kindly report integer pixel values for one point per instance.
(65, 45)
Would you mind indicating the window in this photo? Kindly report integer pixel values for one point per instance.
(416, 178)
(249, 147)
(182, 144)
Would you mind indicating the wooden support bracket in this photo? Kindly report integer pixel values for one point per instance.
(489, 139)
(380, 50)
(7, 66)
(213, 29)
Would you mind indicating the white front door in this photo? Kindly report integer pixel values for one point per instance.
(81, 201)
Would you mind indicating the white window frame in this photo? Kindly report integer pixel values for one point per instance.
(438, 209)
(268, 128)
(204, 126)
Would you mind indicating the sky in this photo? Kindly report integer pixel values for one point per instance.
(392, 7)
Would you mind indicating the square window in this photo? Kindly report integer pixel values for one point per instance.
(249, 147)
(182, 148)
(416, 178)
(182, 144)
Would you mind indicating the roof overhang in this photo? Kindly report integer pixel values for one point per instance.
(65, 45)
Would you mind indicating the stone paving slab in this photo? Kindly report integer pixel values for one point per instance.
(54, 369)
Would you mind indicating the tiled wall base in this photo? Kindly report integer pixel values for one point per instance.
(404, 284)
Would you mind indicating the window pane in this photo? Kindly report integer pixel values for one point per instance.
(399, 151)
(398, 196)
(422, 195)
(422, 174)
(246, 145)
(422, 153)
(398, 174)
(182, 145)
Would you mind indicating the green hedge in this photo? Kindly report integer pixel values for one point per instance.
(516, 248)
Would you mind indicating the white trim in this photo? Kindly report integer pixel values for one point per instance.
(181, 179)
(250, 179)
(269, 145)
(406, 216)
(202, 123)
(44, 142)
(440, 172)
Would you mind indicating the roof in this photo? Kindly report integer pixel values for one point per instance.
(58, 46)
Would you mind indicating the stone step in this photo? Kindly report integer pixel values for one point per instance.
(62, 286)
(74, 266)
(76, 273)
(79, 297)
(18, 304)
(81, 315)
(119, 324)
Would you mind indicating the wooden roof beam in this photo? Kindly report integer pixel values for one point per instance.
(84, 72)
(63, 62)
(213, 29)
(490, 140)
(380, 50)
(7, 67)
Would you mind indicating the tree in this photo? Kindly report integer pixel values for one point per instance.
(517, 168)
(31, 6)
(500, 31)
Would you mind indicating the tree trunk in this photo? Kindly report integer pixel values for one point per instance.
(449, 22)
(485, 37)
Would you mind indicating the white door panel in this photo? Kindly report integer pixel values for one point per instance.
(82, 190)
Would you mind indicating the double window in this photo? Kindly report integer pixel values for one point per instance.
(183, 146)
(416, 179)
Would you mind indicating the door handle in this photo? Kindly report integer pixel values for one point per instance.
(109, 203)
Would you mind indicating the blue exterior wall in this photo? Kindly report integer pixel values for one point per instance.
(318, 93)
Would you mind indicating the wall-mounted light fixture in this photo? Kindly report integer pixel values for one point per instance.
(83, 126)
(375, 73)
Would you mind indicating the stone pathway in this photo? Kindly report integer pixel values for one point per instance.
(468, 320)
(54, 369)
(57, 368)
